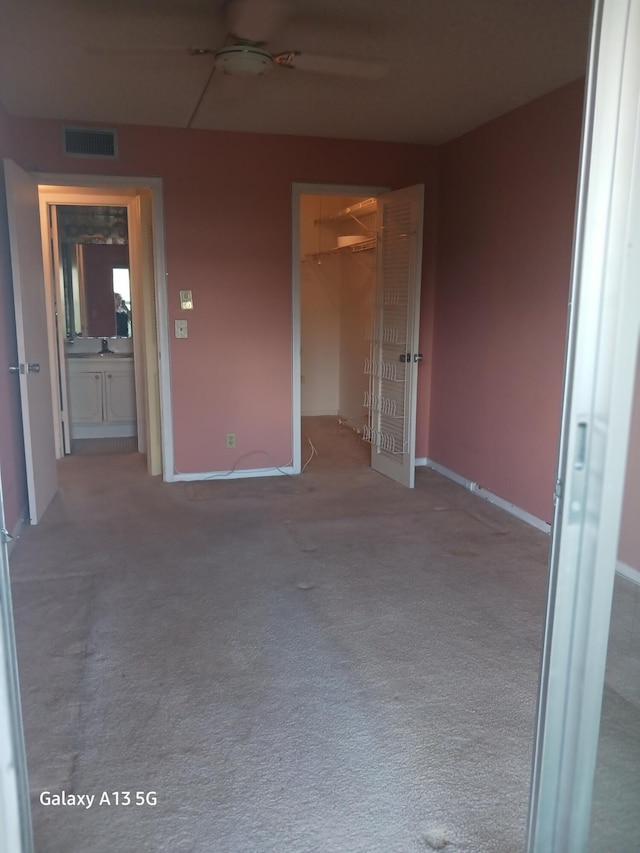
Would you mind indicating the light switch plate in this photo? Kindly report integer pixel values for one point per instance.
(182, 329)
(186, 300)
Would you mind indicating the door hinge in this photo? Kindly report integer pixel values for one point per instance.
(557, 492)
(5, 536)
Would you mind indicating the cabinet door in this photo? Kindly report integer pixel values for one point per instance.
(120, 395)
(85, 397)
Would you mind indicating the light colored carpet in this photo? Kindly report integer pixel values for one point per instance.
(322, 664)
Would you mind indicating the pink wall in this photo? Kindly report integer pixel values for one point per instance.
(11, 444)
(629, 551)
(507, 197)
(493, 339)
(227, 200)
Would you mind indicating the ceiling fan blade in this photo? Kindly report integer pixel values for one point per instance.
(151, 51)
(255, 21)
(340, 66)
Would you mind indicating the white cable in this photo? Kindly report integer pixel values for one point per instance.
(314, 452)
(220, 476)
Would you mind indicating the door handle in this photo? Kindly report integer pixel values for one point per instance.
(32, 367)
(417, 356)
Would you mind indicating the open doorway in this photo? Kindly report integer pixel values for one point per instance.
(100, 261)
(337, 295)
(92, 269)
(357, 270)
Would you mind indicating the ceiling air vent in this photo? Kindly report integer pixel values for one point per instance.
(89, 142)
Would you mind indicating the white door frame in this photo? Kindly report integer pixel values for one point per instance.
(95, 185)
(16, 833)
(50, 198)
(602, 349)
(297, 190)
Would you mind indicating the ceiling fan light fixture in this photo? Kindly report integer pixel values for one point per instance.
(242, 60)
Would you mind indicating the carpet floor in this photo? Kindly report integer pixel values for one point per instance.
(327, 663)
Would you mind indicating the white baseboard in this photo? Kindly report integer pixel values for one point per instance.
(628, 572)
(517, 511)
(240, 474)
(104, 430)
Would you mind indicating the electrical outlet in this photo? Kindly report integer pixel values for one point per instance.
(231, 439)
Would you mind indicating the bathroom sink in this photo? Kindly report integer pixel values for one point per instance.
(99, 355)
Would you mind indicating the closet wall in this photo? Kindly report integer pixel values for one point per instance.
(336, 301)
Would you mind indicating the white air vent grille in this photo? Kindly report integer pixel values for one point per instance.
(89, 142)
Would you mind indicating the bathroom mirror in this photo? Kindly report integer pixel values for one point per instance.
(94, 260)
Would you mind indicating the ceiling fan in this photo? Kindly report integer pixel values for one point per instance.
(250, 25)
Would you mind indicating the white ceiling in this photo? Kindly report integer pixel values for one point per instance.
(453, 64)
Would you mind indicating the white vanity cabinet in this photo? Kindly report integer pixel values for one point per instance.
(102, 397)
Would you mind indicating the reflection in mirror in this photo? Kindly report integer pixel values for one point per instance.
(94, 258)
(615, 817)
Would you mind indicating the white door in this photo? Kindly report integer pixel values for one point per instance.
(395, 359)
(15, 815)
(31, 330)
(600, 370)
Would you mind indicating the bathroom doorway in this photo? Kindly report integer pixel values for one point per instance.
(101, 265)
(90, 256)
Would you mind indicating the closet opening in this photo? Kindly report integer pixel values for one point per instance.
(357, 271)
(337, 297)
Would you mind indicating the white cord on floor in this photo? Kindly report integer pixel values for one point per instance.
(314, 452)
(221, 476)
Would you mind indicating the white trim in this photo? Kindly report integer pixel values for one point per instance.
(421, 462)
(55, 322)
(296, 338)
(162, 323)
(241, 474)
(110, 430)
(486, 495)
(101, 185)
(628, 572)
(298, 189)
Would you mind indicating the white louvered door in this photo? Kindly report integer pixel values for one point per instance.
(395, 360)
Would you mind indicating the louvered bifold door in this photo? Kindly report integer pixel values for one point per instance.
(395, 359)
